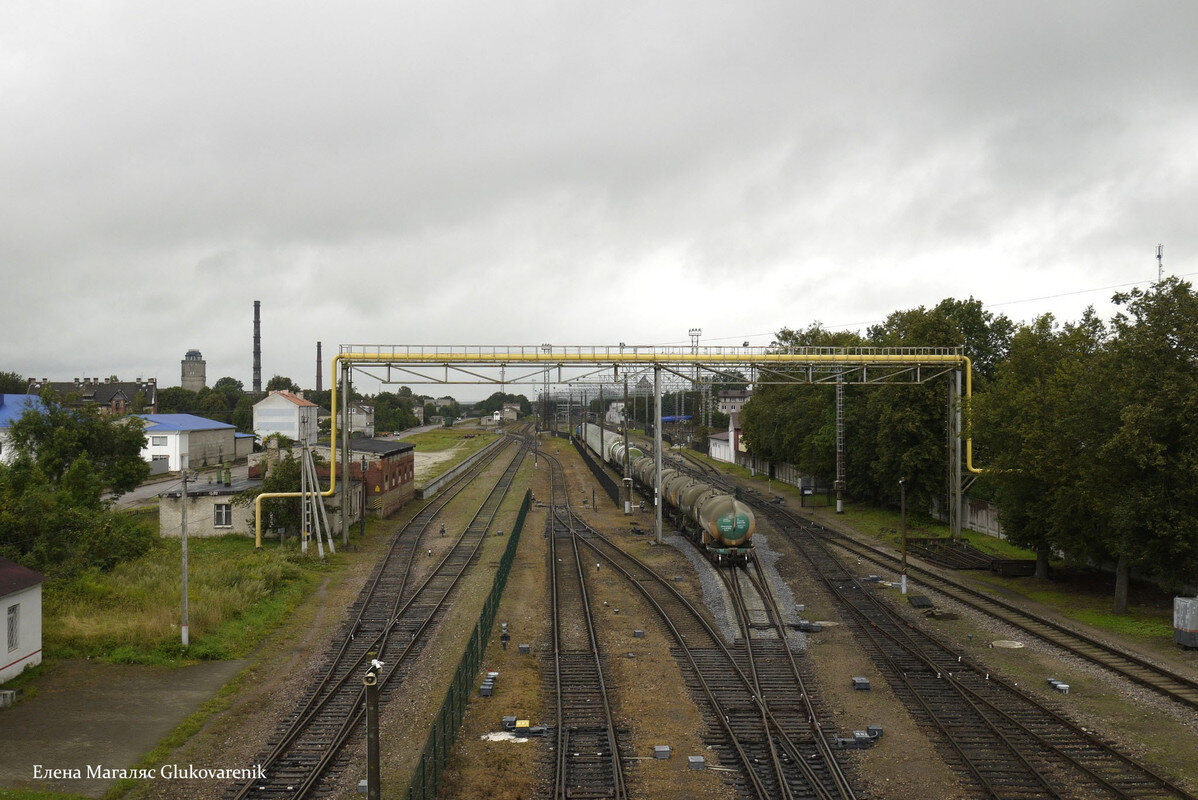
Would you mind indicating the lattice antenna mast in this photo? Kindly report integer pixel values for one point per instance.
(1160, 263)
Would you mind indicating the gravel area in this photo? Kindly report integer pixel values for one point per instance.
(715, 595)
(796, 640)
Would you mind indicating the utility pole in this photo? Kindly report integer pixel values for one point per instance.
(627, 460)
(183, 533)
(1160, 264)
(840, 482)
(903, 528)
(602, 449)
(657, 450)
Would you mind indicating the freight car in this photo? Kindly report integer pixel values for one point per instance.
(718, 522)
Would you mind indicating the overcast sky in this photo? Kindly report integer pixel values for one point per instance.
(568, 172)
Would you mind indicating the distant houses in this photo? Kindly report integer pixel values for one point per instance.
(110, 396)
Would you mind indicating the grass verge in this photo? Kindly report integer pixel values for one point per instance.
(236, 595)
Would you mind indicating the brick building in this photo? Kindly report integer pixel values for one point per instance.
(389, 473)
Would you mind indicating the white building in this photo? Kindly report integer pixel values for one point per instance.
(21, 604)
(286, 413)
(510, 411)
(719, 448)
(361, 419)
(12, 406)
(177, 440)
(731, 402)
(615, 413)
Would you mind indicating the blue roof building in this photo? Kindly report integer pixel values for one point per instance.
(175, 441)
(12, 406)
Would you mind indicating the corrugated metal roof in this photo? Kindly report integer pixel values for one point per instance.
(12, 406)
(180, 422)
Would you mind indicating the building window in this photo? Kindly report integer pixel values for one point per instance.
(157, 441)
(14, 627)
(223, 515)
(159, 458)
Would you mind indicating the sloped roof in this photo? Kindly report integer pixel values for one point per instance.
(14, 577)
(102, 393)
(162, 423)
(12, 406)
(286, 395)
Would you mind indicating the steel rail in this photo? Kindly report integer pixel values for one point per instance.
(560, 513)
(484, 516)
(420, 524)
(771, 605)
(610, 552)
(916, 643)
(843, 787)
(742, 613)
(1175, 686)
(314, 708)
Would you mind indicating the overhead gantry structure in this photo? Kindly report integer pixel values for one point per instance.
(547, 364)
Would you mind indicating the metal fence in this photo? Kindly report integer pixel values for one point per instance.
(610, 487)
(429, 771)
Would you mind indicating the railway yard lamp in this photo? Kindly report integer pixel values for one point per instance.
(903, 532)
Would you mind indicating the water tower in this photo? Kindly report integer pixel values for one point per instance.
(194, 371)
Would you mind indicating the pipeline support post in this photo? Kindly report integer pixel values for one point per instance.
(955, 501)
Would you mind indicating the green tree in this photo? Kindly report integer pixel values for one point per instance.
(231, 388)
(243, 415)
(215, 406)
(282, 475)
(1028, 426)
(12, 383)
(281, 382)
(177, 400)
(56, 437)
(1144, 477)
(392, 412)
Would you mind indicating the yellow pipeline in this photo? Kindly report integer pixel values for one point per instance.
(332, 465)
(534, 356)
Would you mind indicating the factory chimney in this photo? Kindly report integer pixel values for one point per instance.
(257, 346)
(318, 385)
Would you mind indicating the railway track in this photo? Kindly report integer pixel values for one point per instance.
(587, 753)
(390, 621)
(762, 725)
(1007, 743)
(1176, 687)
